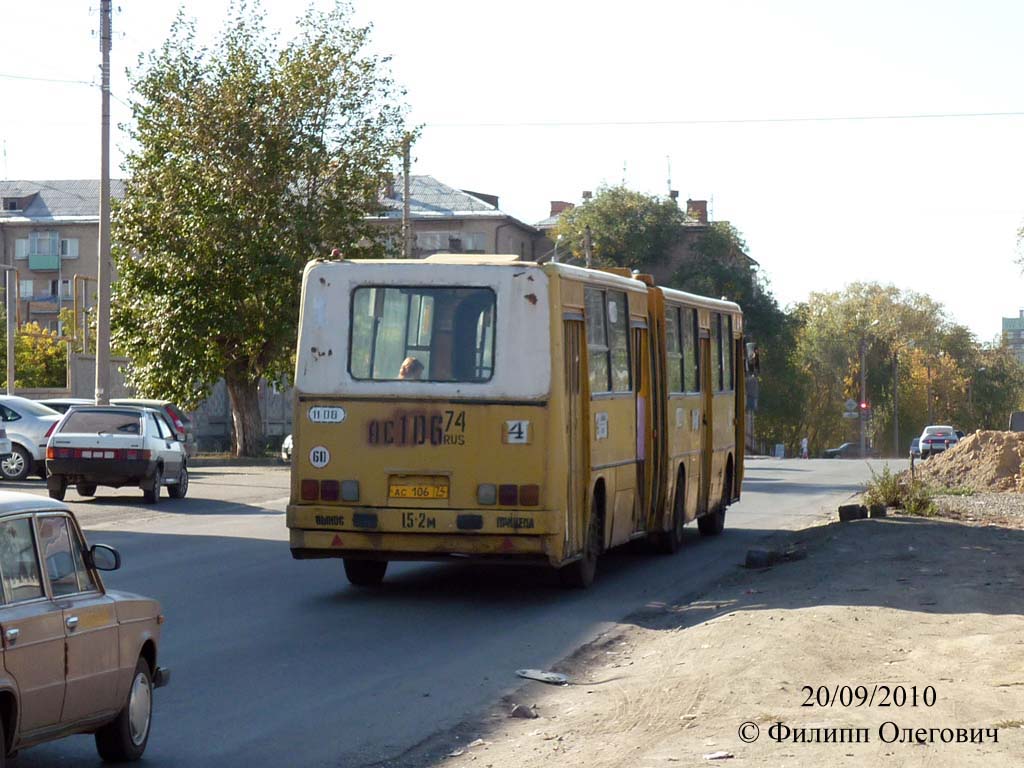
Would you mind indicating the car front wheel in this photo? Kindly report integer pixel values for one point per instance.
(17, 465)
(124, 739)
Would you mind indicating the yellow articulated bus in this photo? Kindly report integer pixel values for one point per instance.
(484, 407)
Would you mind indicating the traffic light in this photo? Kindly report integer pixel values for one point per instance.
(864, 406)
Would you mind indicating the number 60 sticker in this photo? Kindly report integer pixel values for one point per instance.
(319, 457)
(516, 432)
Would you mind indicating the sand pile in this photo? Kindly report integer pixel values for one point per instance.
(984, 461)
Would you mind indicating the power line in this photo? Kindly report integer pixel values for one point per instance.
(722, 121)
(46, 79)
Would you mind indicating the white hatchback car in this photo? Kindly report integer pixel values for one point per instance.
(116, 445)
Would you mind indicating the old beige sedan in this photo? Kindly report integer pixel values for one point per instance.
(76, 658)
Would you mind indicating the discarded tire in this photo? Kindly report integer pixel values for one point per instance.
(877, 510)
(852, 512)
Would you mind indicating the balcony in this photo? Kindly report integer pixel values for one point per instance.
(38, 262)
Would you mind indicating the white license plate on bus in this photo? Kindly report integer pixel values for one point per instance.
(418, 487)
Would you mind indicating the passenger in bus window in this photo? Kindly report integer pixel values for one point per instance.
(411, 369)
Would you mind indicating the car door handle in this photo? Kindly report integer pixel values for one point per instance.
(12, 635)
(71, 621)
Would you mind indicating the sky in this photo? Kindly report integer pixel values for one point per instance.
(758, 107)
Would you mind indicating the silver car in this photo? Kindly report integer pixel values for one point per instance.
(28, 425)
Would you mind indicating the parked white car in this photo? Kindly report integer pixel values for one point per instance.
(116, 446)
(28, 426)
(286, 450)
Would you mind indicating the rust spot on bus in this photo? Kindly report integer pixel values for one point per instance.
(531, 297)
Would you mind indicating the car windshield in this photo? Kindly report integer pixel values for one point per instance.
(110, 422)
(32, 408)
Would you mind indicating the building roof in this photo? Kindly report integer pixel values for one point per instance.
(64, 200)
(429, 197)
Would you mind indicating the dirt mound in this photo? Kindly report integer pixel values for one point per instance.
(984, 461)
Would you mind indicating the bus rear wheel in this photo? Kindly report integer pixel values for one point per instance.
(671, 541)
(713, 523)
(365, 573)
(580, 573)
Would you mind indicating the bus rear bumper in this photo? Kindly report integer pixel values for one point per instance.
(309, 544)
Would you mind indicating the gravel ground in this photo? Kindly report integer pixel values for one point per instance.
(984, 508)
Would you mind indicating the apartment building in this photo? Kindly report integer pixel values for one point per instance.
(49, 233)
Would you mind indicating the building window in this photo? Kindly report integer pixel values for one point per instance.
(25, 289)
(459, 242)
(65, 288)
(43, 244)
(21, 248)
(69, 248)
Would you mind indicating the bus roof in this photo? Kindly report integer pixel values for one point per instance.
(566, 270)
(701, 301)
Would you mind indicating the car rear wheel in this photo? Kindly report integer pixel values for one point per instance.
(180, 488)
(17, 465)
(365, 573)
(57, 486)
(86, 489)
(151, 493)
(125, 738)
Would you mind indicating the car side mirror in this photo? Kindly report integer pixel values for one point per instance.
(103, 558)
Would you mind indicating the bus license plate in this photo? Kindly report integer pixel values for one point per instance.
(410, 488)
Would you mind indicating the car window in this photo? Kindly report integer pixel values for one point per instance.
(55, 544)
(19, 567)
(156, 427)
(7, 414)
(32, 408)
(168, 431)
(86, 581)
(112, 422)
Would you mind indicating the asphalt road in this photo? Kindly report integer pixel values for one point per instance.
(279, 662)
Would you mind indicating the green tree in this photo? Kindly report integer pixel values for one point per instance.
(931, 369)
(720, 268)
(248, 159)
(627, 228)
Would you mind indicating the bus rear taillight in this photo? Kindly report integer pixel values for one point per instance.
(329, 490)
(508, 495)
(310, 490)
(529, 495)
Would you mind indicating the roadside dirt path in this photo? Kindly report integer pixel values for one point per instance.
(905, 605)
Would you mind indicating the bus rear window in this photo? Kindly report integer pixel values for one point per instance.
(424, 333)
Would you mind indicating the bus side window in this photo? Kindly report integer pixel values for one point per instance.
(691, 341)
(673, 350)
(618, 332)
(597, 342)
(730, 355)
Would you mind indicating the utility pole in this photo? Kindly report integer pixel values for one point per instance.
(895, 405)
(103, 271)
(406, 224)
(863, 396)
(587, 246)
